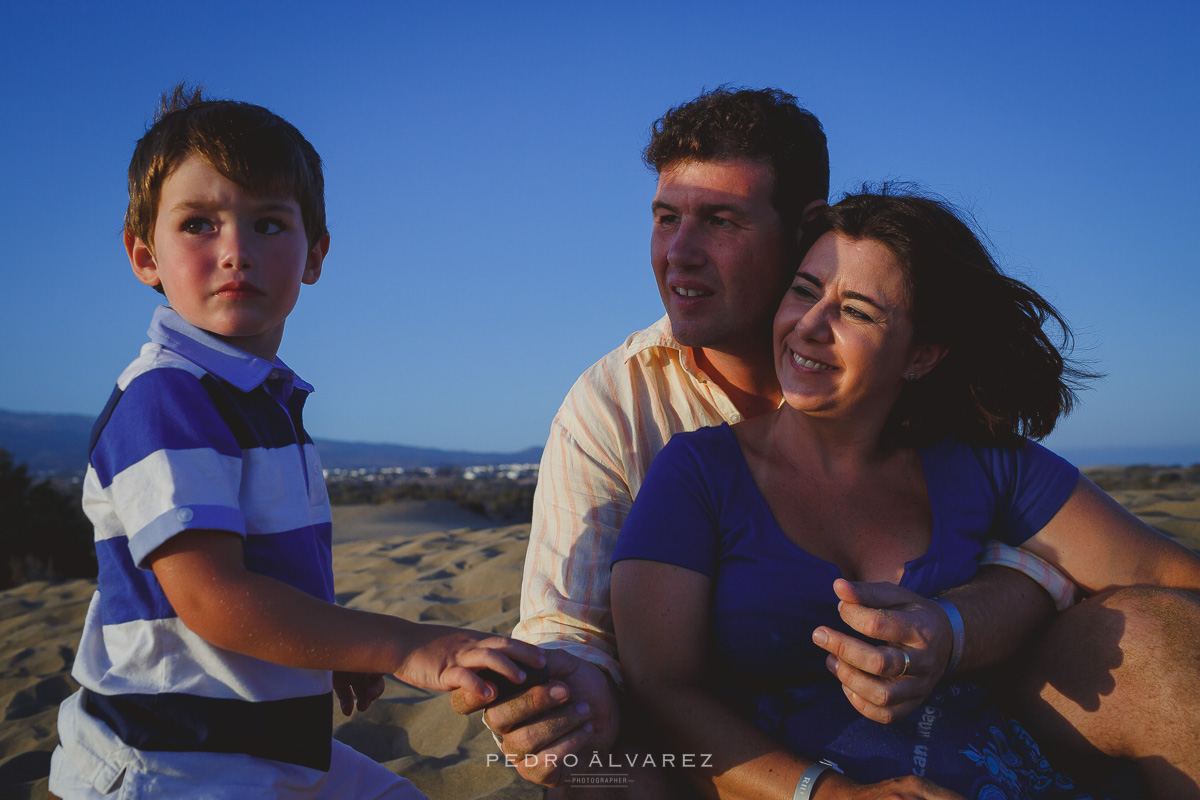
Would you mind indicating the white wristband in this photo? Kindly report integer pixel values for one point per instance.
(956, 626)
(809, 779)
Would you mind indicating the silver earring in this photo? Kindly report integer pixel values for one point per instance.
(912, 376)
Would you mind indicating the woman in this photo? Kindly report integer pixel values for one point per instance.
(911, 370)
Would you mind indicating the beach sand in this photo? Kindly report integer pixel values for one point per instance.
(424, 561)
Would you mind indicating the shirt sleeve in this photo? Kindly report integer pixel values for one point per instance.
(581, 501)
(1031, 485)
(673, 520)
(166, 462)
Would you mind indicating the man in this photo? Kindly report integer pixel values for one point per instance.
(738, 171)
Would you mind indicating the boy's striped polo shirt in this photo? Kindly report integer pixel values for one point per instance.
(201, 435)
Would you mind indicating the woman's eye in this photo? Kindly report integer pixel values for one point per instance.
(804, 291)
(268, 226)
(196, 225)
(854, 313)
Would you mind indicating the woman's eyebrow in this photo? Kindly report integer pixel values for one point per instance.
(814, 280)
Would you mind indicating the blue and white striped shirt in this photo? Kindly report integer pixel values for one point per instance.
(201, 435)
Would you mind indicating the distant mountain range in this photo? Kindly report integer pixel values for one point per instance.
(58, 443)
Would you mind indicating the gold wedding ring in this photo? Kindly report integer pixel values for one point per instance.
(907, 662)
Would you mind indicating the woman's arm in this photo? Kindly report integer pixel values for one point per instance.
(1100, 545)
(662, 620)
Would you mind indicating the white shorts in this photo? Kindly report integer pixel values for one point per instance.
(92, 762)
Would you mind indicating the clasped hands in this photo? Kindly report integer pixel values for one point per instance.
(875, 678)
(574, 714)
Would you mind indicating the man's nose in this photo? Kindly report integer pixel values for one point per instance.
(687, 246)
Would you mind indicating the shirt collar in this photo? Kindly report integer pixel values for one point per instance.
(227, 362)
(659, 335)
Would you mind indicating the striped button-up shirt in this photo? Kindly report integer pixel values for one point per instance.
(616, 418)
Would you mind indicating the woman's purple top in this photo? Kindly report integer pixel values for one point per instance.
(699, 508)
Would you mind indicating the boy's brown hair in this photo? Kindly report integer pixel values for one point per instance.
(251, 146)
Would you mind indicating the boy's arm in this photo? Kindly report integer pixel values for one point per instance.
(203, 576)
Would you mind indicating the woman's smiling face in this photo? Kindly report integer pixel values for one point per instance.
(844, 332)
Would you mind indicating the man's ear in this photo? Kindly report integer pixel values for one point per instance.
(925, 357)
(141, 258)
(316, 257)
(806, 216)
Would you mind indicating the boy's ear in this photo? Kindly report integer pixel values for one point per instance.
(141, 259)
(316, 256)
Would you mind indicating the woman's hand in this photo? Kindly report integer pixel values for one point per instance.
(874, 677)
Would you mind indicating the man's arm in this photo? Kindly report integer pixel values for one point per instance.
(581, 501)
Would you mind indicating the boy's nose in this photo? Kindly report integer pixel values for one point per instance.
(235, 249)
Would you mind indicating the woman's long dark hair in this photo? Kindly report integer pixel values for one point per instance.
(1003, 376)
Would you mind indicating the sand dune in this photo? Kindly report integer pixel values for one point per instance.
(425, 561)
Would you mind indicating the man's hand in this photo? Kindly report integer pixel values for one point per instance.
(577, 712)
(361, 687)
(874, 677)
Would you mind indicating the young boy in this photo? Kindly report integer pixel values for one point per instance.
(206, 654)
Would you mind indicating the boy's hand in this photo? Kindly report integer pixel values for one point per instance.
(361, 686)
(444, 658)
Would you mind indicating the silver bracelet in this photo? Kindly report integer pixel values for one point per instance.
(956, 626)
(809, 779)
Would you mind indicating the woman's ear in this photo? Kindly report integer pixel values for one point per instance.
(924, 358)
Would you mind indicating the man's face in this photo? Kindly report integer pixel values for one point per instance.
(720, 253)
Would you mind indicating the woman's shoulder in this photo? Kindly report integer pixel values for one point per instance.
(1012, 473)
(703, 441)
(996, 458)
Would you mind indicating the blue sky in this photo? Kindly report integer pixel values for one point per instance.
(490, 213)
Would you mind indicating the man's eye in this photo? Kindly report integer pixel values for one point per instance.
(196, 225)
(666, 219)
(721, 222)
(268, 226)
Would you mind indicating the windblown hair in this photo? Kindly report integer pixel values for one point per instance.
(1003, 376)
(760, 124)
(251, 146)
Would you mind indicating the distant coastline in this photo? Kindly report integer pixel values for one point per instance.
(1183, 455)
(57, 443)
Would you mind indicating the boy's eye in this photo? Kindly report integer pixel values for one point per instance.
(196, 225)
(268, 225)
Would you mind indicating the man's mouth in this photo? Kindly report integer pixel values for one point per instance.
(680, 291)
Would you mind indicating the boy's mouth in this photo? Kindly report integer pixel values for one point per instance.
(239, 289)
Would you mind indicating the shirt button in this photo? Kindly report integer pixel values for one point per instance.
(185, 514)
